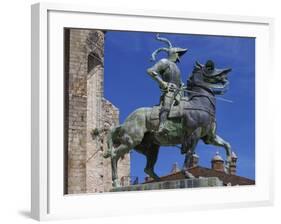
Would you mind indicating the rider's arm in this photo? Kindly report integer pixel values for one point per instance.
(155, 71)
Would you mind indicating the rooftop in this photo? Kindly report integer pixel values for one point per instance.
(198, 171)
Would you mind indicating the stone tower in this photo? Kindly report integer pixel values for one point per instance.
(87, 111)
(218, 163)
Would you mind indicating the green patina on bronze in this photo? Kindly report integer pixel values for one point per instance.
(185, 115)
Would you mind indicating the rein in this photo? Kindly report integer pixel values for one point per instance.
(213, 96)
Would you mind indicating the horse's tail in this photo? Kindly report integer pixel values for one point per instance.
(134, 127)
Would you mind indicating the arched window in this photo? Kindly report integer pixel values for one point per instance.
(93, 61)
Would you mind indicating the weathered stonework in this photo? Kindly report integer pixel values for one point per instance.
(87, 110)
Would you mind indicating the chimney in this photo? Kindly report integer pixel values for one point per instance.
(218, 163)
(194, 160)
(175, 168)
(233, 164)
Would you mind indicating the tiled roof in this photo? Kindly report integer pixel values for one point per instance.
(199, 171)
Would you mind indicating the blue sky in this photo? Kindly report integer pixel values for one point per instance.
(128, 87)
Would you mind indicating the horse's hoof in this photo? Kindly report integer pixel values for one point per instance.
(157, 179)
(106, 155)
(151, 174)
(188, 174)
(116, 183)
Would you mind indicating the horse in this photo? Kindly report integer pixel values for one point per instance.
(192, 119)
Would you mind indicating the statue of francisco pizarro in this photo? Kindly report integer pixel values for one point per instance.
(168, 76)
(180, 119)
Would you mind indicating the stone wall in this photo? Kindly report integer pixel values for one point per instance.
(86, 110)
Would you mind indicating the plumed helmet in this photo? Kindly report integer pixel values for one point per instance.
(172, 51)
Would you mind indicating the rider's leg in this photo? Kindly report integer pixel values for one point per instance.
(162, 119)
(168, 99)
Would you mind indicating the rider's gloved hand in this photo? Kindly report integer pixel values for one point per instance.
(164, 86)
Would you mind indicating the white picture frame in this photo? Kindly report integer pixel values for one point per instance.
(48, 201)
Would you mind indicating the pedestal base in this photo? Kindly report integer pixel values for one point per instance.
(173, 184)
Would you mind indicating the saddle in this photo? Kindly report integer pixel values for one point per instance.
(175, 116)
(177, 111)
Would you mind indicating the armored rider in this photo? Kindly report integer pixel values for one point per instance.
(168, 76)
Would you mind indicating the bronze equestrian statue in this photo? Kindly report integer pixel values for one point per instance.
(189, 119)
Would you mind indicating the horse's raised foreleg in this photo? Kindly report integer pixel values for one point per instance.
(218, 141)
(214, 139)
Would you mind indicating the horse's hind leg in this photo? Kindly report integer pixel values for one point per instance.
(120, 151)
(114, 161)
(151, 158)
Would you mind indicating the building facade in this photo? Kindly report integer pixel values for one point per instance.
(217, 170)
(88, 115)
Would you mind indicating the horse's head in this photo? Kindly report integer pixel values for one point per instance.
(210, 77)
